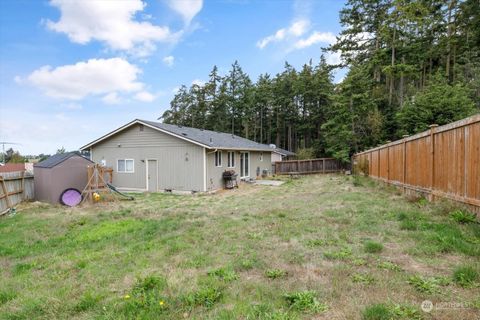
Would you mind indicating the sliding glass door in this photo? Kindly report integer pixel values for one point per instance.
(244, 164)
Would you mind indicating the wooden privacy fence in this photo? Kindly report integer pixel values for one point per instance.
(321, 165)
(15, 187)
(441, 162)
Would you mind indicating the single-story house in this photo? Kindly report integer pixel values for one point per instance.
(153, 156)
(279, 154)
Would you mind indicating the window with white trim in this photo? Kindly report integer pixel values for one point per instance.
(231, 159)
(125, 165)
(261, 156)
(218, 158)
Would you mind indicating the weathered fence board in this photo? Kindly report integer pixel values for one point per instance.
(15, 187)
(441, 162)
(321, 165)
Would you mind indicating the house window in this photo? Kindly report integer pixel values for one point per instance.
(231, 159)
(261, 156)
(125, 165)
(218, 158)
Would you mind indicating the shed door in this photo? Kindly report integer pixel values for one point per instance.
(152, 176)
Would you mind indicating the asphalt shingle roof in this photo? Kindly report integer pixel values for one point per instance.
(210, 138)
(57, 159)
(284, 152)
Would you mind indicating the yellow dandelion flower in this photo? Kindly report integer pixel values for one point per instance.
(161, 302)
(126, 296)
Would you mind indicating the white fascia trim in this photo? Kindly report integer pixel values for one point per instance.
(204, 169)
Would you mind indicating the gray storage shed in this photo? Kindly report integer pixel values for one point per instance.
(59, 172)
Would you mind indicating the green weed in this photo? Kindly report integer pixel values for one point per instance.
(427, 285)
(305, 301)
(339, 255)
(224, 274)
(389, 266)
(383, 311)
(372, 247)
(463, 216)
(205, 296)
(7, 295)
(465, 276)
(275, 273)
(363, 278)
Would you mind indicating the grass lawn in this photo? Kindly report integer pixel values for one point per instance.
(318, 247)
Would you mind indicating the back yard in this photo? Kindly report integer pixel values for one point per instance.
(323, 247)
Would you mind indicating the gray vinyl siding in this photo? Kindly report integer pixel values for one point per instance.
(214, 174)
(255, 163)
(180, 163)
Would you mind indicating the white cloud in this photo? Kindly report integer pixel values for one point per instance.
(112, 22)
(93, 77)
(314, 38)
(333, 57)
(188, 9)
(73, 106)
(296, 29)
(144, 96)
(198, 82)
(169, 60)
(112, 98)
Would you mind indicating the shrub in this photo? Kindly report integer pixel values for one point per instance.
(463, 217)
(372, 247)
(465, 276)
(305, 301)
(305, 153)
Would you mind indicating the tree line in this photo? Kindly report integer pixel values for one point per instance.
(410, 64)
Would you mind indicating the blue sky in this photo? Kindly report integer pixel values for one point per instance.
(72, 71)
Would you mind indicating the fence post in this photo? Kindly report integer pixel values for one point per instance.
(432, 157)
(404, 181)
(388, 161)
(323, 165)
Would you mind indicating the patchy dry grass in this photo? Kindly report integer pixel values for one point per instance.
(323, 247)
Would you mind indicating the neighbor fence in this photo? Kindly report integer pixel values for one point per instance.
(441, 162)
(321, 165)
(15, 187)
